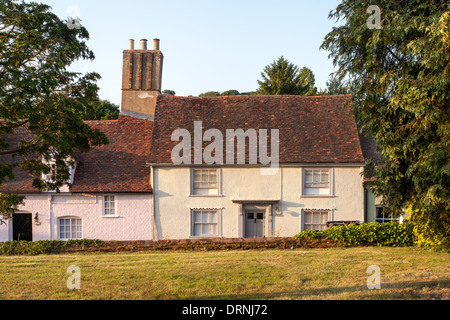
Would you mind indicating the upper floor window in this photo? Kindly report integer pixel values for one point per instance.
(316, 181)
(109, 205)
(50, 176)
(205, 181)
(53, 174)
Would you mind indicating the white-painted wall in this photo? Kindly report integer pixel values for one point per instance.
(173, 199)
(133, 221)
(173, 204)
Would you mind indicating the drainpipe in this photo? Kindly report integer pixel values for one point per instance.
(365, 204)
(50, 213)
(152, 178)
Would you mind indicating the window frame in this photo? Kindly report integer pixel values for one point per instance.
(70, 219)
(330, 187)
(315, 211)
(115, 215)
(218, 214)
(49, 177)
(218, 183)
(384, 219)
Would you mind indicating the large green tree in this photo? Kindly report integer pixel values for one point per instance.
(39, 98)
(307, 79)
(400, 73)
(283, 77)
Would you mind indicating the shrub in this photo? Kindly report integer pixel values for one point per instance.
(432, 233)
(309, 234)
(42, 246)
(380, 234)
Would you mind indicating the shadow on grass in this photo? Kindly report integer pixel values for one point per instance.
(388, 291)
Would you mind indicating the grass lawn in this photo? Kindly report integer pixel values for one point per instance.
(335, 273)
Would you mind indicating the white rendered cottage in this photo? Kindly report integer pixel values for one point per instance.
(110, 198)
(317, 180)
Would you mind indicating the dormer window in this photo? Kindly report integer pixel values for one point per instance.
(50, 177)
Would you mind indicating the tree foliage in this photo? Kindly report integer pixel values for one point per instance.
(210, 94)
(231, 92)
(283, 77)
(308, 80)
(401, 78)
(39, 98)
(168, 92)
(101, 110)
(335, 86)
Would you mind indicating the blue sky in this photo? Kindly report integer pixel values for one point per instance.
(207, 45)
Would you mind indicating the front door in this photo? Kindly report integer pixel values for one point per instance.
(22, 226)
(254, 224)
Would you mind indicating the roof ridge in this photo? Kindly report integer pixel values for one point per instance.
(254, 96)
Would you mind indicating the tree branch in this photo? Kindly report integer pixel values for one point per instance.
(395, 56)
(20, 149)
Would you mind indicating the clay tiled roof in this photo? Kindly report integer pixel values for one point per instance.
(22, 180)
(311, 129)
(119, 166)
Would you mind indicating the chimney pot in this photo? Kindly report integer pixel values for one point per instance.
(143, 44)
(131, 44)
(155, 44)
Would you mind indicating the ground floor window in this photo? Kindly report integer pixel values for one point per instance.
(70, 228)
(205, 223)
(316, 220)
(383, 215)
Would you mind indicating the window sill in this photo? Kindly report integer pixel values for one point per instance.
(317, 196)
(205, 237)
(206, 195)
(110, 217)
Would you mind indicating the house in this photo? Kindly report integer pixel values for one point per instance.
(318, 178)
(189, 167)
(111, 198)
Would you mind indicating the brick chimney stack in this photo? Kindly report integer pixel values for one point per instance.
(141, 79)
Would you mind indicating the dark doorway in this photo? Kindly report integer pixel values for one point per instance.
(22, 227)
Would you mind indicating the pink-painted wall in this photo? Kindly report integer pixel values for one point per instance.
(132, 221)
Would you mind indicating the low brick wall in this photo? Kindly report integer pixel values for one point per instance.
(204, 245)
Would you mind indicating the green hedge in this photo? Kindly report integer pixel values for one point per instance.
(42, 246)
(380, 234)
